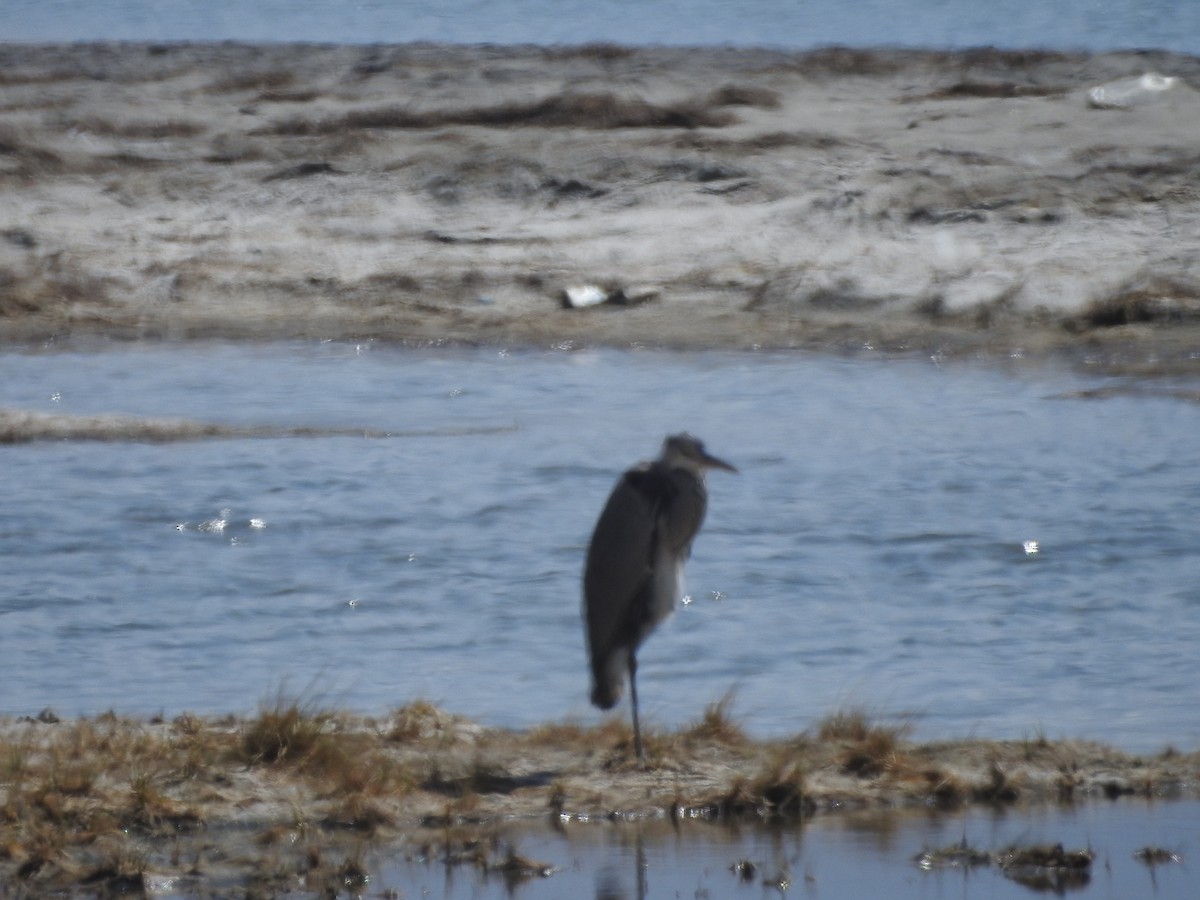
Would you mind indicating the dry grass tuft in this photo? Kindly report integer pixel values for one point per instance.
(865, 748)
(716, 726)
(1145, 300)
(872, 756)
(287, 733)
(151, 810)
(419, 720)
(88, 784)
(346, 763)
(779, 790)
(844, 725)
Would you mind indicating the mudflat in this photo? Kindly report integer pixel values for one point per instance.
(977, 201)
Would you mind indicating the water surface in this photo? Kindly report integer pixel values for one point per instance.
(870, 553)
(842, 855)
(1068, 24)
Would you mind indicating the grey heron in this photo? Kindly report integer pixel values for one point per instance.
(633, 575)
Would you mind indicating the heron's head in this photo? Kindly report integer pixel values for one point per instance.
(686, 451)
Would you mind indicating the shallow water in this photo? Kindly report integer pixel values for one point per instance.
(842, 855)
(870, 553)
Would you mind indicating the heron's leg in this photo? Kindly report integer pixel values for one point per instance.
(637, 731)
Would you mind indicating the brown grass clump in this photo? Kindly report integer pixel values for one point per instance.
(94, 783)
(418, 720)
(779, 790)
(844, 725)
(344, 763)
(150, 809)
(716, 726)
(865, 749)
(288, 732)
(1147, 300)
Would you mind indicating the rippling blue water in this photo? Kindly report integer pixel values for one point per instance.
(870, 553)
(1067, 24)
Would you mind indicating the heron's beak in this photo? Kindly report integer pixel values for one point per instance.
(714, 463)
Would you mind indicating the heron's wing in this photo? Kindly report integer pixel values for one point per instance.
(620, 561)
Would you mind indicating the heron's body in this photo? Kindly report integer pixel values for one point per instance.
(634, 571)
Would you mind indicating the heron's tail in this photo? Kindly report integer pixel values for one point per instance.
(606, 696)
(608, 680)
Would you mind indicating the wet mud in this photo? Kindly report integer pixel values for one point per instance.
(974, 202)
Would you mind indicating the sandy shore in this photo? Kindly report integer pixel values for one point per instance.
(837, 199)
(295, 797)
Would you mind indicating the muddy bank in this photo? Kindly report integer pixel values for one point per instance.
(297, 791)
(975, 201)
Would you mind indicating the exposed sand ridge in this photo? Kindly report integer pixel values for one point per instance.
(929, 201)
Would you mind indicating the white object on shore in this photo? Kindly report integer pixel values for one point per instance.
(1128, 92)
(580, 295)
